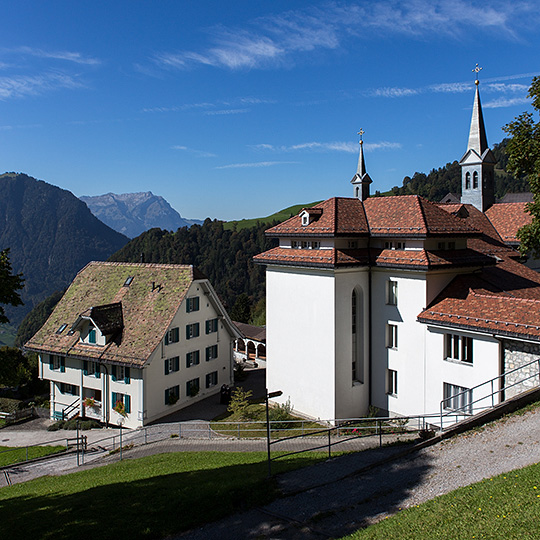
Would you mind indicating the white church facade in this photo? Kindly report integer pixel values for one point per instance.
(397, 302)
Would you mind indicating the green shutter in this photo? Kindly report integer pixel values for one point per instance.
(196, 330)
(62, 364)
(197, 357)
(167, 396)
(167, 338)
(207, 354)
(127, 403)
(196, 304)
(176, 333)
(97, 373)
(166, 369)
(113, 373)
(114, 400)
(51, 361)
(176, 363)
(127, 377)
(187, 331)
(85, 367)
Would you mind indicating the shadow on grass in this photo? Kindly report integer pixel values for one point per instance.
(153, 507)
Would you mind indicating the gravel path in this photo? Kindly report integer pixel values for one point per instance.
(339, 507)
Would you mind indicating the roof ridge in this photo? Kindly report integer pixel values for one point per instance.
(507, 296)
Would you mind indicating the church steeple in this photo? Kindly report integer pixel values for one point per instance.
(361, 180)
(477, 165)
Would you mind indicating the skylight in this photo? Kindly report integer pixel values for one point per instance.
(61, 329)
(128, 281)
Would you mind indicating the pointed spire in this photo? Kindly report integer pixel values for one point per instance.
(361, 179)
(477, 133)
(361, 169)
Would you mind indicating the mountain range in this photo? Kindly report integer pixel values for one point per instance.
(134, 213)
(51, 235)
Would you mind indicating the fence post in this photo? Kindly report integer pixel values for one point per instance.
(27, 453)
(379, 429)
(145, 437)
(329, 444)
(209, 431)
(302, 428)
(179, 430)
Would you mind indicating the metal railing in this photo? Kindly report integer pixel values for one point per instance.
(496, 395)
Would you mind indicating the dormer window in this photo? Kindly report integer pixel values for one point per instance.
(310, 215)
(92, 336)
(61, 329)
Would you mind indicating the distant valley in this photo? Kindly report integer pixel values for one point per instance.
(132, 214)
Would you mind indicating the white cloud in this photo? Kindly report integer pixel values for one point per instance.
(68, 56)
(338, 146)
(31, 85)
(256, 165)
(504, 102)
(394, 92)
(273, 40)
(227, 111)
(198, 153)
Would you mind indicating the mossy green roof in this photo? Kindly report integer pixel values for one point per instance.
(149, 304)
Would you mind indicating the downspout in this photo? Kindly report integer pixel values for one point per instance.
(502, 381)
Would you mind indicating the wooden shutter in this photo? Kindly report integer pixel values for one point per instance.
(127, 403)
(113, 373)
(166, 370)
(62, 364)
(127, 377)
(85, 367)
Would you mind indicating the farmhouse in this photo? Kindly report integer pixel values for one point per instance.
(132, 343)
(400, 303)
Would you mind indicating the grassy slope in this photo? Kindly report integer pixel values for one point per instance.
(9, 455)
(150, 497)
(506, 506)
(282, 215)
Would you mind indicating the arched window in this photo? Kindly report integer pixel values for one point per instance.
(357, 335)
(475, 179)
(357, 192)
(468, 181)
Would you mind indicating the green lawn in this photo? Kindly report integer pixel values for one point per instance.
(504, 507)
(149, 497)
(16, 455)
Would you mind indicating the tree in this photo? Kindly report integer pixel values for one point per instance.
(9, 285)
(15, 369)
(524, 159)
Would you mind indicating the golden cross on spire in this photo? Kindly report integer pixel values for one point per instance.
(361, 132)
(477, 70)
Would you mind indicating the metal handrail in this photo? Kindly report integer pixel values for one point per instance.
(461, 410)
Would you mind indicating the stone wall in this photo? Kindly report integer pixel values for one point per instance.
(516, 354)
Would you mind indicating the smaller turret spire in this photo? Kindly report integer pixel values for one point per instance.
(361, 179)
(477, 133)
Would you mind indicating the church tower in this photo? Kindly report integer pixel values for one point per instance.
(361, 180)
(478, 162)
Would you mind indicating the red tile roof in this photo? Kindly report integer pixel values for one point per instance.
(412, 259)
(412, 216)
(333, 217)
(490, 242)
(504, 300)
(508, 218)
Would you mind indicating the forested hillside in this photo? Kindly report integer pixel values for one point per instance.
(436, 184)
(224, 256)
(51, 235)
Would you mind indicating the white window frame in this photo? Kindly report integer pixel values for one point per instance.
(391, 292)
(391, 336)
(391, 382)
(458, 348)
(457, 398)
(211, 379)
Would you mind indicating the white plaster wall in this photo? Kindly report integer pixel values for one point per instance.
(156, 382)
(485, 366)
(352, 398)
(408, 359)
(301, 339)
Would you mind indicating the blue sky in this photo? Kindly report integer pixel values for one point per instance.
(238, 109)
